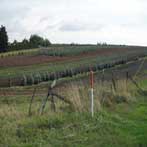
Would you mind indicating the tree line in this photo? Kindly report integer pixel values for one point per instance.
(34, 41)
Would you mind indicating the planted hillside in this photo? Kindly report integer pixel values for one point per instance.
(30, 77)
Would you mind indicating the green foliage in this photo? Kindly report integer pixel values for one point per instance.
(68, 50)
(122, 125)
(70, 68)
(30, 79)
(3, 39)
(113, 128)
(81, 49)
(35, 41)
(64, 69)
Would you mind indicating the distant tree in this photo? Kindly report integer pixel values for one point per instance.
(25, 44)
(3, 39)
(25, 41)
(13, 46)
(36, 41)
(46, 43)
(72, 44)
(15, 42)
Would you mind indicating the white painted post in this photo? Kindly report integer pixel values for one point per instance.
(92, 95)
(92, 103)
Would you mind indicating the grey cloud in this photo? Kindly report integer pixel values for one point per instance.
(24, 17)
(71, 27)
(80, 27)
(43, 19)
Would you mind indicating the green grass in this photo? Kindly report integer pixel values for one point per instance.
(115, 129)
(121, 125)
(143, 83)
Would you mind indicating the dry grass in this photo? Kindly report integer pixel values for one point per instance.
(105, 94)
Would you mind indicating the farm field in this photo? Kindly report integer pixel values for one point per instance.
(45, 66)
(119, 119)
(73, 73)
(44, 97)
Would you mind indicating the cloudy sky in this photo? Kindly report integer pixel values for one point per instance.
(79, 21)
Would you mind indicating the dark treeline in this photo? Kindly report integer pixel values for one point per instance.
(34, 41)
(3, 39)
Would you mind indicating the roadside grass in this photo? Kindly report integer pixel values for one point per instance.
(143, 83)
(107, 128)
(117, 125)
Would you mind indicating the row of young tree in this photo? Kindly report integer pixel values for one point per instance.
(36, 78)
(34, 41)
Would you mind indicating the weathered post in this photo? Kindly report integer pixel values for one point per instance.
(31, 101)
(113, 82)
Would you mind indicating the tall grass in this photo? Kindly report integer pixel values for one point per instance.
(104, 94)
(120, 128)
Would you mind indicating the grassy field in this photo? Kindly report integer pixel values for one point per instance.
(115, 123)
(120, 107)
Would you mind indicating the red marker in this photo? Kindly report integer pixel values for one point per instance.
(91, 79)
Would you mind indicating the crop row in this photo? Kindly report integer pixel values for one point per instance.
(76, 50)
(39, 77)
(69, 50)
(20, 53)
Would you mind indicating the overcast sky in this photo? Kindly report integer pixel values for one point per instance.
(79, 21)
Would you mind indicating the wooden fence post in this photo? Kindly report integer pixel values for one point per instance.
(113, 82)
(31, 101)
